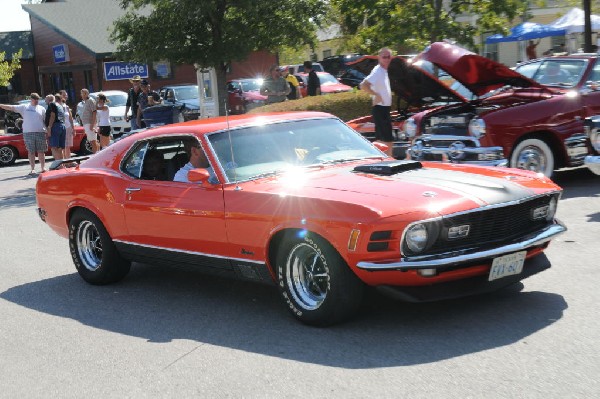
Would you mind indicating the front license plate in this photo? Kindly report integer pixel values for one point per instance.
(507, 265)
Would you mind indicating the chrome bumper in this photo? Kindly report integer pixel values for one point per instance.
(536, 239)
(453, 149)
(593, 163)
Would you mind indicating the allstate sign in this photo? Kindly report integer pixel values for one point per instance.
(60, 53)
(124, 70)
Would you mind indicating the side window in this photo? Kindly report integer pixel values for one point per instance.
(133, 164)
(159, 159)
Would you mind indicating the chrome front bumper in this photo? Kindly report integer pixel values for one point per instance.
(452, 259)
(593, 163)
(456, 149)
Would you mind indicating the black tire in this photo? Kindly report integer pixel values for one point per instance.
(534, 154)
(95, 256)
(8, 155)
(316, 283)
(85, 148)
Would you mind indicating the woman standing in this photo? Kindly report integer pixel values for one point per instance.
(61, 98)
(103, 120)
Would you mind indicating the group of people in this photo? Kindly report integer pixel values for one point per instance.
(41, 126)
(281, 85)
(139, 97)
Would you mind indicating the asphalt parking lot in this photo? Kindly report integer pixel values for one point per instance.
(166, 332)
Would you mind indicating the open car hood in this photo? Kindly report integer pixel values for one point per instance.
(477, 73)
(416, 86)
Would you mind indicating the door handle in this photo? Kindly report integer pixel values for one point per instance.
(130, 190)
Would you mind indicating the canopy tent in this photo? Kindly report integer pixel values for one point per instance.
(526, 31)
(574, 21)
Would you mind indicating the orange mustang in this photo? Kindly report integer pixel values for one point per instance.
(302, 201)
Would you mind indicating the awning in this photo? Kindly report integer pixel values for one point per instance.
(574, 21)
(527, 31)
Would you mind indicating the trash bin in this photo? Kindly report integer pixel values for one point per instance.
(162, 114)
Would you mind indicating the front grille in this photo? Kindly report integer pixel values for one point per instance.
(491, 227)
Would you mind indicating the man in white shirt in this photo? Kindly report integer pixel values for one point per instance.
(197, 160)
(34, 129)
(377, 84)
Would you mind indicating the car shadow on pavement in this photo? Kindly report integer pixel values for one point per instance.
(19, 199)
(577, 182)
(161, 304)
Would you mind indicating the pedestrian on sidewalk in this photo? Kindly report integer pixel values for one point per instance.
(88, 119)
(55, 130)
(69, 125)
(132, 101)
(34, 134)
(103, 120)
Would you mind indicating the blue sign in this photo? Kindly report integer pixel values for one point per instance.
(124, 70)
(60, 53)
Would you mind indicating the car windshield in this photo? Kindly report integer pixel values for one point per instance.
(117, 100)
(186, 93)
(251, 85)
(269, 149)
(327, 79)
(559, 72)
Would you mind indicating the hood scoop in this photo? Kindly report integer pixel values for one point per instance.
(388, 168)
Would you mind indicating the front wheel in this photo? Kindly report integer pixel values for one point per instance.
(316, 283)
(8, 155)
(535, 155)
(95, 256)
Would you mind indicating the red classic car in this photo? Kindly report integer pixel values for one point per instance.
(329, 84)
(12, 146)
(301, 201)
(529, 118)
(244, 95)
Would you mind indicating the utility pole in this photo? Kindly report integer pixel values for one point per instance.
(587, 32)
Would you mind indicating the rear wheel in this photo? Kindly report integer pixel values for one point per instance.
(95, 256)
(316, 283)
(8, 155)
(533, 154)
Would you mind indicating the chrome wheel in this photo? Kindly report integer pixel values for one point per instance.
(534, 155)
(307, 276)
(7, 156)
(89, 245)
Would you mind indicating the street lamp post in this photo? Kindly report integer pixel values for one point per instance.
(587, 33)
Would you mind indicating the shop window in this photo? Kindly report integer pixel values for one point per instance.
(326, 53)
(89, 81)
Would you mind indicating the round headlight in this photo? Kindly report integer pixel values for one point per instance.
(551, 209)
(477, 128)
(410, 127)
(416, 237)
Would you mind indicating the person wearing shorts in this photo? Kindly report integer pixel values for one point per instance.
(55, 131)
(69, 125)
(103, 113)
(34, 134)
(88, 119)
(377, 84)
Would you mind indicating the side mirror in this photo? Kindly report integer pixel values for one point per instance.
(199, 175)
(380, 146)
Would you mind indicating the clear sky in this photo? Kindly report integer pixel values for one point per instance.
(12, 16)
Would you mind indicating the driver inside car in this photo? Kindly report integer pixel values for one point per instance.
(554, 74)
(197, 160)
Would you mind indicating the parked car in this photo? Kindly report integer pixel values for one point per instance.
(12, 146)
(329, 84)
(116, 111)
(299, 68)
(351, 77)
(244, 95)
(319, 216)
(529, 118)
(592, 129)
(187, 96)
(338, 64)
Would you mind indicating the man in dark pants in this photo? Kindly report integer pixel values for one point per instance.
(377, 84)
(313, 86)
(132, 101)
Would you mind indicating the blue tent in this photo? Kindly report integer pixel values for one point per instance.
(526, 31)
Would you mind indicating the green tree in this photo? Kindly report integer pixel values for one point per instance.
(8, 68)
(412, 24)
(212, 33)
